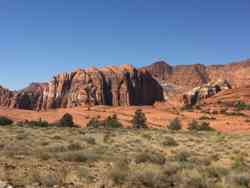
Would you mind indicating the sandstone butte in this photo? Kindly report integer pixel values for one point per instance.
(127, 86)
(116, 86)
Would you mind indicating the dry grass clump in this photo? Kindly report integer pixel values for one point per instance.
(169, 141)
(150, 157)
(199, 126)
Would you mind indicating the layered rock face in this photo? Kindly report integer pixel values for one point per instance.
(6, 96)
(118, 86)
(182, 78)
(196, 95)
(229, 97)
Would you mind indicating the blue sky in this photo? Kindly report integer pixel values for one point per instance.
(41, 38)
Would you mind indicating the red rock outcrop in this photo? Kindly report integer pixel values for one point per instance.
(229, 97)
(198, 94)
(185, 77)
(118, 86)
(6, 96)
(238, 74)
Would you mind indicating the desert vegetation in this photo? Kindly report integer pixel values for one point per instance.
(104, 154)
(44, 157)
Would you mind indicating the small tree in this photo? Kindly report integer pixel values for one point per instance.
(112, 122)
(5, 121)
(67, 121)
(175, 125)
(139, 120)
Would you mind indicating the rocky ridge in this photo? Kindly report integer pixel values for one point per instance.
(187, 77)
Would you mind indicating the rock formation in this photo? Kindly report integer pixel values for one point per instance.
(118, 86)
(125, 85)
(182, 78)
(196, 95)
(229, 97)
(6, 96)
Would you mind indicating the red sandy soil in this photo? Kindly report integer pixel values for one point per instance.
(158, 116)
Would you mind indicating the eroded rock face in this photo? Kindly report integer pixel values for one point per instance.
(182, 78)
(118, 86)
(6, 96)
(196, 95)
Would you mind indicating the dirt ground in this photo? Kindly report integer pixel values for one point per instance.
(158, 116)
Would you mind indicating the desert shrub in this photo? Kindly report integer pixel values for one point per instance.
(239, 105)
(77, 156)
(216, 172)
(152, 157)
(147, 136)
(67, 121)
(35, 123)
(193, 179)
(183, 156)
(119, 172)
(94, 123)
(139, 120)
(207, 118)
(175, 125)
(169, 141)
(5, 121)
(84, 174)
(199, 126)
(89, 140)
(188, 108)
(56, 148)
(48, 179)
(150, 178)
(75, 146)
(112, 122)
(237, 113)
(238, 180)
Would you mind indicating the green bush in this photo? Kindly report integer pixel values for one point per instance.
(94, 123)
(199, 126)
(5, 121)
(175, 125)
(67, 121)
(112, 122)
(139, 120)
(241, 106)
(39, 123)
(35, 124)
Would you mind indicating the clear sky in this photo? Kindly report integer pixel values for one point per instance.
(39, 38)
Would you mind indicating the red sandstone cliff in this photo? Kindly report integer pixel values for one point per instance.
(190, 76)
(122, 85)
